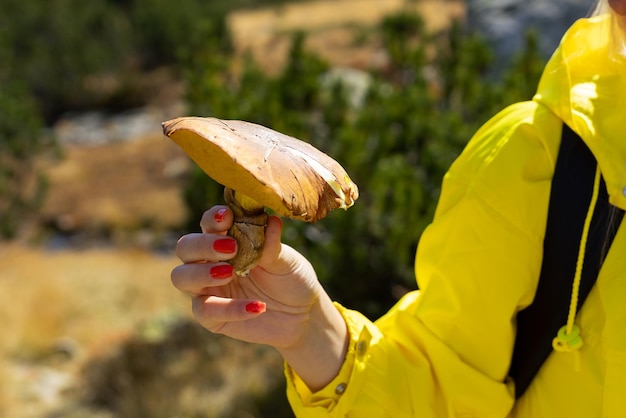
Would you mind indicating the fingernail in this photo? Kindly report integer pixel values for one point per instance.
(222, 271)
(255, 307)
(220, 214)
(225, 245)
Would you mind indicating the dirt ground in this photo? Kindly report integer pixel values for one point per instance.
(118, 186)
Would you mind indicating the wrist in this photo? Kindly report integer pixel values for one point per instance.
(319, 353)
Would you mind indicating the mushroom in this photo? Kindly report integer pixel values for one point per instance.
(260, 168)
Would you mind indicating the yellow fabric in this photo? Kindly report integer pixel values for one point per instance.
(444, 351)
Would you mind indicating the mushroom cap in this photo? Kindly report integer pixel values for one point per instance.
(287, 175)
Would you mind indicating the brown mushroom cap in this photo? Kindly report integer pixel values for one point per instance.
(287, 175)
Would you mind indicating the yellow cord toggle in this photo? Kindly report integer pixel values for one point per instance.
(567, 341)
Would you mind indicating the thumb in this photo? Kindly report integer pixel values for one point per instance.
(273, 245)
(279, 259)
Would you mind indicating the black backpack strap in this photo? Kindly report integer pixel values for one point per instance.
(570, 196)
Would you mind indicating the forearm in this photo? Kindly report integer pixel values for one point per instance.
(321, 350)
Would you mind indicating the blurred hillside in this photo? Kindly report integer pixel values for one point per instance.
(93, 197)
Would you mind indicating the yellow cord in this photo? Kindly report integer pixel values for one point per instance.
(568, 337)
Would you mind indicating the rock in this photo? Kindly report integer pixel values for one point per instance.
(96, 128)
(504, 23)
(355, 82)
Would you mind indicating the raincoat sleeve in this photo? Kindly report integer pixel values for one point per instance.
(444, 351)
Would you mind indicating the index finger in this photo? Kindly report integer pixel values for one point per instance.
(216, 220)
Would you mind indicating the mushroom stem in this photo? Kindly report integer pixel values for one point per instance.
(248, 229)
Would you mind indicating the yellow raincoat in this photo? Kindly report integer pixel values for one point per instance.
(444, 351)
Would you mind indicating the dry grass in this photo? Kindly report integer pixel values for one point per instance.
(93, 299)
(102, 333)
(84, 294)
(333, 28)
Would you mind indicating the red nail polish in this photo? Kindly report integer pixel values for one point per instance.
(222, 271)
(220, 214)
(255, 307)
(225, 245)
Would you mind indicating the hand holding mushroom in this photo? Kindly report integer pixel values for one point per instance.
(280, 302)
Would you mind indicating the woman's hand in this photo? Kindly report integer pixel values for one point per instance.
(280, 303)
(266, 307)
